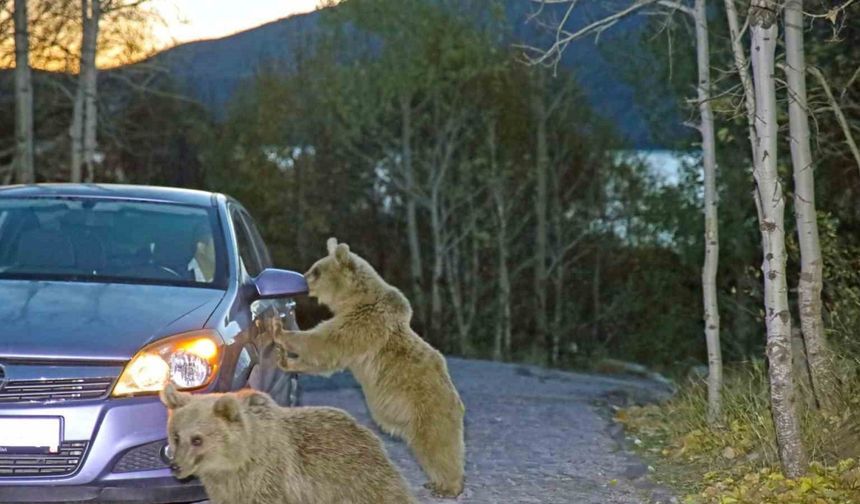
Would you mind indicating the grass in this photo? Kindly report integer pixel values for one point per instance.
(737, 461)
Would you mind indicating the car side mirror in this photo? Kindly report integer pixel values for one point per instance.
(274, 283)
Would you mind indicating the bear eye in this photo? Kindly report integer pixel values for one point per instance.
(196, 440)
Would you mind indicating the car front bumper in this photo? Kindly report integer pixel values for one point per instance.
(120, 463)
(149, 490)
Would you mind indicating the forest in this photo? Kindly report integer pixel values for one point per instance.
(470, 167)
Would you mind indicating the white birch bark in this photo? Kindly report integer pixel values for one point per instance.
(712, 246)
(82, 132)
(25, 170)
(770, 202)
(415, 264)
(742, 66)
(810, 283)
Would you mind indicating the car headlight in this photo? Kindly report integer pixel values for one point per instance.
(189, 360)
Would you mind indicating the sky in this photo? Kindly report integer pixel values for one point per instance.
(187, 20)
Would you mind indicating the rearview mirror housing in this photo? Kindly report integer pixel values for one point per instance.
(274, 283)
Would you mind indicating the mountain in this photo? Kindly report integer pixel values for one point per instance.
(211, 71)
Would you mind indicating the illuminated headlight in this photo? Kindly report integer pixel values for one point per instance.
(188, 360)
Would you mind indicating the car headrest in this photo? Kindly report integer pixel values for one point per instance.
(173, 253)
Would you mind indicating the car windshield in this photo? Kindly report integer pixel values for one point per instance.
(100, 240)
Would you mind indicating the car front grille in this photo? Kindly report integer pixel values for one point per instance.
(66, 389)
(54, 464)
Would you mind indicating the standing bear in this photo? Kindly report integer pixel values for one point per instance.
(246, 449)
(405, 381)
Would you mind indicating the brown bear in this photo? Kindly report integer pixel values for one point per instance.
(405, 381)
(246, 449)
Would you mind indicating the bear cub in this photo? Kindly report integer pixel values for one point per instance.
(405, 381)
(246, 449)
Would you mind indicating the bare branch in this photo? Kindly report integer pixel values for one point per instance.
(564, 38)
(833, 13)
(837, 111)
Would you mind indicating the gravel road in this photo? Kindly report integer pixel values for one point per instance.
(532, 435)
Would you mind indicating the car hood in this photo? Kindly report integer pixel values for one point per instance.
(95, 321)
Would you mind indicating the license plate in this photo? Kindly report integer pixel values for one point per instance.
(24, 435)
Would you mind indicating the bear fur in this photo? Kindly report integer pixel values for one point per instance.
(405, 381)
(246, 449)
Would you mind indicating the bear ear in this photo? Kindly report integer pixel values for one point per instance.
(227, 407)
(341, 253)
(331, 244)
(258, 399)
(173, 398)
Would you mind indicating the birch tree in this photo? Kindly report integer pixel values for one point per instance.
(501, 215)
(23, 98)
(770, 203)
(82, 133)
(810, 283)
(712, 247)
(416, 271)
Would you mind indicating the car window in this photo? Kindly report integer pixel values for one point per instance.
(247, 255)
(257, 240)
(100, 240)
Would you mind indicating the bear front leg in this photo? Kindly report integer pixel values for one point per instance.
(307, 352)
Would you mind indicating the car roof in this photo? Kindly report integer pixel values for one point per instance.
(111, 191)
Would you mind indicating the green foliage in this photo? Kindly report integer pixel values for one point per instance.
(318, 151)
(737, 461)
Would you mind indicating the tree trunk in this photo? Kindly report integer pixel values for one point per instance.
(742, 66)
(76, 133)
(26, 173)
(540, 251)
(558, 273)
(300, 220)
(743, 72)
(712, 246)
(82, 132)
(437, 271)
(415, 270)
(770, 203)
(810, 284)
(504, 343)
(461, 285)
(90, 91)
(502, 337)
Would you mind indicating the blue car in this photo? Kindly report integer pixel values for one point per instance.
(107, 293)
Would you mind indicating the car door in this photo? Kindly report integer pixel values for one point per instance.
(267, 375)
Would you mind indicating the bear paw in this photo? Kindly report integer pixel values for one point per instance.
(443, 490)
(289, 361)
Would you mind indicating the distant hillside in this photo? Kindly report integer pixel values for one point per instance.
(211, 71)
